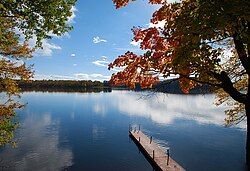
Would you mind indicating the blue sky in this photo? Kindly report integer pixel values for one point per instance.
(100, 34)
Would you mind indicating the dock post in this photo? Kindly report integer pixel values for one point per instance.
(135, 129)
(139, 139)
(153, 154)
(168, 156)
(150, 139)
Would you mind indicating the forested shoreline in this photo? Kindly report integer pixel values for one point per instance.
(169, 86)
(62, 85)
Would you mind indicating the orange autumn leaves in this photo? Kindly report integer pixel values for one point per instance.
(142, 68)
(136, 71)
(160, 47)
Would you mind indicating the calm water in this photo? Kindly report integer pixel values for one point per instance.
(89, 131)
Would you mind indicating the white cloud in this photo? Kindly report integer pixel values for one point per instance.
(72, 54)
(52, 77)
(117, 69)
(173, 1)
(18, 62)
(71, 18)
(101, 63)
(104, 58)
(134, 43)
(136, 50)
(98, 77)
(47, 49)
(74, 64)
(97, 39)
(160, 24)
(59, 37)
(77, 76)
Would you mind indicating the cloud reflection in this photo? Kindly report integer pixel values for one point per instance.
(165, 109)
(38, 147)
(99, 109)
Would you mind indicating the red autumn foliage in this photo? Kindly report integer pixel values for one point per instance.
(171, 50)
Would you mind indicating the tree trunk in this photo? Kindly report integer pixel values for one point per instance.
(248, 136)
(247, 107)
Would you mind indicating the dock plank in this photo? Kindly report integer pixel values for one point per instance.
(159, 158)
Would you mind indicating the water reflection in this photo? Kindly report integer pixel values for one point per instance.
(38, 146)
(166, 108)
(98, 133)
(89, 131)
(100, 109)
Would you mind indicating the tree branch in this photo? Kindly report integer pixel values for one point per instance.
(228, 87)
(198, 81)
(201, 82)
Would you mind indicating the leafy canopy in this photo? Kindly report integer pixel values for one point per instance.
(21, 21)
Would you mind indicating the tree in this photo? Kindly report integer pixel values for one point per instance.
(202, 42)
(21, 21)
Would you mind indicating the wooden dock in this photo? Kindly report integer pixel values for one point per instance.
(154, 153)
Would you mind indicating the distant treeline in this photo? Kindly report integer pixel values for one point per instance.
(62, 85)
(168, 86)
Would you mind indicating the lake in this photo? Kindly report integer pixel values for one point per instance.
(89, 131)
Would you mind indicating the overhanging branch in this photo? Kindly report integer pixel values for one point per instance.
(228, 87)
